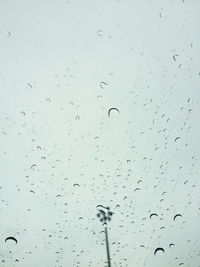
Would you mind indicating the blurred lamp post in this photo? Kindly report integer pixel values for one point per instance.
(104, 217)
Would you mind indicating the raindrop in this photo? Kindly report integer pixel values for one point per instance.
(77, 185)
(102, 85)
(100, 32)
(158, 249)
(48, 100)
(111, 110)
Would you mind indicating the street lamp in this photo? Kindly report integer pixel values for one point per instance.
(105, 215)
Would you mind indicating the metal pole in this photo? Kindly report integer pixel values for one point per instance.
(107, 248)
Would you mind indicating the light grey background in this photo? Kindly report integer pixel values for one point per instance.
(54, 56)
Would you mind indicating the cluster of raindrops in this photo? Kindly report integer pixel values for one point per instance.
(126, 136)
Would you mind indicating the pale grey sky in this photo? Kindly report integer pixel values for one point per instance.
(55, 132)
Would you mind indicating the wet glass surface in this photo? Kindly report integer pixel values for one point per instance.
(100, 105)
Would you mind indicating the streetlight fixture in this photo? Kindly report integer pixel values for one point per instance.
(105, 215)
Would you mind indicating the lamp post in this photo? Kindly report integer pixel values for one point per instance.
(104, 217)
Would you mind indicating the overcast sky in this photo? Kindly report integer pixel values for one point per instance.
(63, 66)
